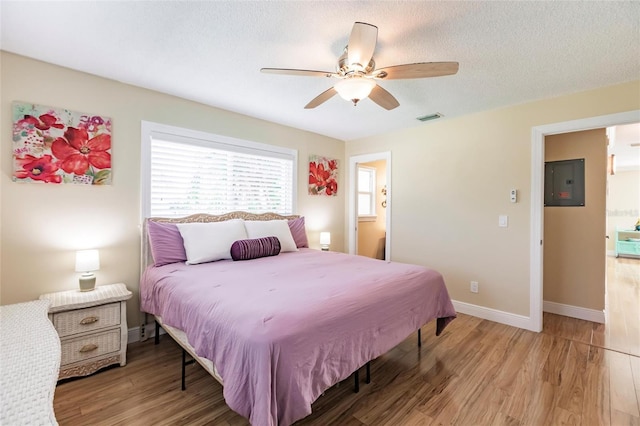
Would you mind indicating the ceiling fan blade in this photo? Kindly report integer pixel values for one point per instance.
(419, 70)
(303, 73)
(321, 98)
(362, 43)
(383, 98)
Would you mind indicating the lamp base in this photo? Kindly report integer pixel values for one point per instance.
(87, 283)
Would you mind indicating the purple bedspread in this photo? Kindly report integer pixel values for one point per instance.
(283, 329)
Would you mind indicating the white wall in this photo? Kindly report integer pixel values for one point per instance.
(43, 224)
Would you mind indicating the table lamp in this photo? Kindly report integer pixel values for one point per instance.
(325, 240)
(87, 261)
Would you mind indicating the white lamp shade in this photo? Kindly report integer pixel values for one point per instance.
(325, 238)
(87, 260)
(355, 88)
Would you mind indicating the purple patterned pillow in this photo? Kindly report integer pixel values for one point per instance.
(166, 243)
(298, 232)
(255, 248)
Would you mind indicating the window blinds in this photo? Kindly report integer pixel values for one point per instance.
(189, 176)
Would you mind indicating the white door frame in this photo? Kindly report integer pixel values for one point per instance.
(353, 197)
(537, 197)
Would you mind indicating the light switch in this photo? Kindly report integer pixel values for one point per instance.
(503, 221)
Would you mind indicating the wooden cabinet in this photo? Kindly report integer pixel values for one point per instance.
(627, 243)
(92, 327)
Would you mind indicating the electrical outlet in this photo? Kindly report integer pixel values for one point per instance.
(474, 287)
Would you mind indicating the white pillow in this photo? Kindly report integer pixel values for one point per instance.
(206, 242)
(269, 228)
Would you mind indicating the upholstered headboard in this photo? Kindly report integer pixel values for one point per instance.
(146, 258)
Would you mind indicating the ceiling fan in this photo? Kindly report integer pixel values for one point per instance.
(358, 75)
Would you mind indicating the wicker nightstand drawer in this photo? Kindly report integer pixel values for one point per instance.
(92, 326)
(88, 319)
(95, 345)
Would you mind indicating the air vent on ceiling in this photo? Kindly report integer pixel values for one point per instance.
(430, 117)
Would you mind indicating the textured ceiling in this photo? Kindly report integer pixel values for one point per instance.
(211, 52)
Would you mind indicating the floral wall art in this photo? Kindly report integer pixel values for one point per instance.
(55, 145)
(323, 176)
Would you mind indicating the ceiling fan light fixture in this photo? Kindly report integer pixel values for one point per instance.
(355, 88)
(356, 71)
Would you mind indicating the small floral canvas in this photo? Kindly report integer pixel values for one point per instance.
(323, 176)
(54, 145)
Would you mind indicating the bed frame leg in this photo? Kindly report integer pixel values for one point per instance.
(420, 337)
(368, 379)
(157, 336)
(184, 364)
(356, 376)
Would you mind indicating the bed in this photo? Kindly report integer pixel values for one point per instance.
(279, 330)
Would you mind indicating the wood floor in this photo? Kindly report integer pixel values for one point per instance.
(621, 331)
(476, 373)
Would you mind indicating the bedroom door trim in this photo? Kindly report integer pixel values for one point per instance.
(538, 134)
(352, 222)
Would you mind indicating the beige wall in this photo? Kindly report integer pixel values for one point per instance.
(451, 181)
(43, 225)
(623, 203)
(371, 234)
(574, 237)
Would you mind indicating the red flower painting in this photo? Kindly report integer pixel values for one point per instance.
(76, 151)
(44, 122)
(323, 176)
(38, 168)
(54, 145)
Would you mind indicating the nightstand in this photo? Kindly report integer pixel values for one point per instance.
(92, 326)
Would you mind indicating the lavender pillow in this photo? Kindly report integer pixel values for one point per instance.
(255, 248)
(298, 231)
(166, 243)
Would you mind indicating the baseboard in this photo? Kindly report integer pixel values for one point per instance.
(573, 311)
(495, 315)
(134, 333)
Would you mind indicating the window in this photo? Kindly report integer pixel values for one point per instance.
(186, 172)
(366, 192)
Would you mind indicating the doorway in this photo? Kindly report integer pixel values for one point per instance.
(370, 205)
(372, 209)
(580, 281)
(537, 184)
(574, 220)
(622, 301)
